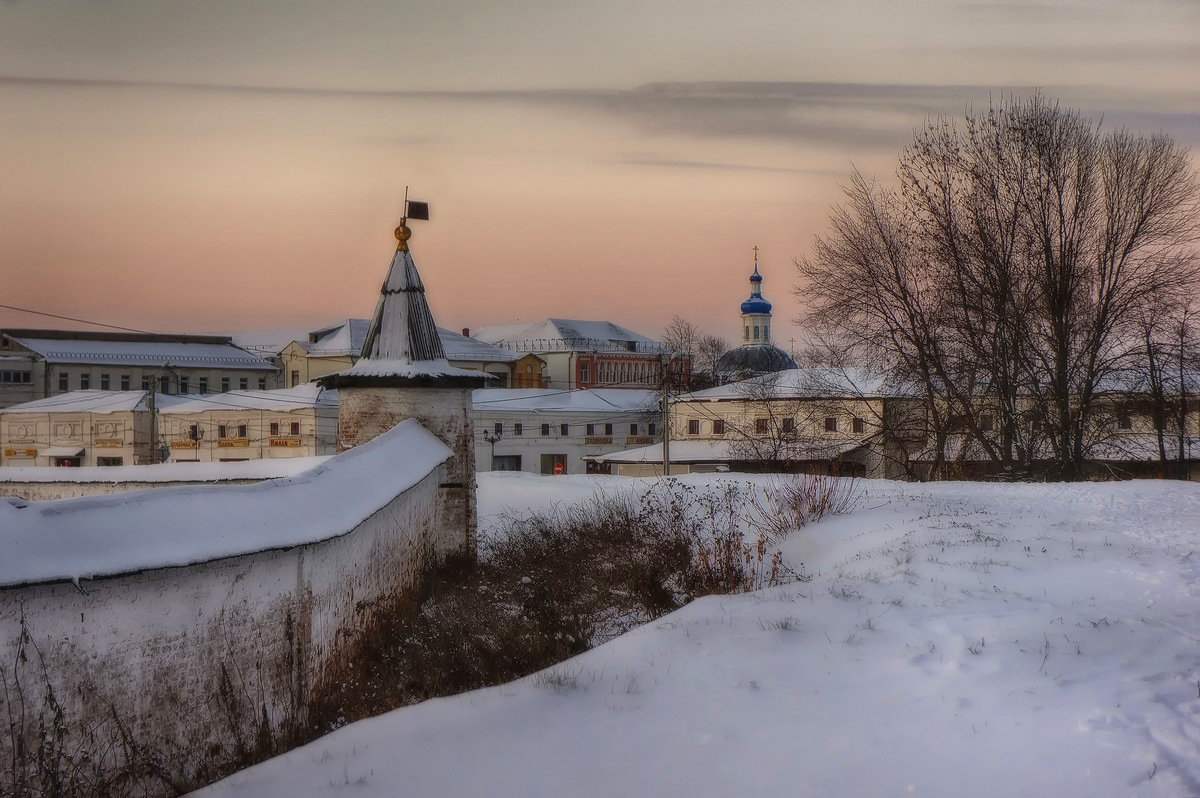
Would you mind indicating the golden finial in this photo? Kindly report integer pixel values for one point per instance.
(402, 236)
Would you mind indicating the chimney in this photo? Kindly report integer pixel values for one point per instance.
(466, 332)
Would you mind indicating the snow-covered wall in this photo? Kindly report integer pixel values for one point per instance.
(184, 656)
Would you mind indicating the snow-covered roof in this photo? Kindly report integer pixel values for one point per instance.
(460, 347)
(301, 397)
(343, 338)
(136, 352)
(266, 343)
(264, 468)
(803, 383)
(729, 451)
(382, 368)
(547, 400)
(568, 335)
(91, 401)
(71, 539)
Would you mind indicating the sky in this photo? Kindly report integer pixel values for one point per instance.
(210, 166)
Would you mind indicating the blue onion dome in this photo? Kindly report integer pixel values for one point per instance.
(756, 304)
(756, 277)
(754, 359)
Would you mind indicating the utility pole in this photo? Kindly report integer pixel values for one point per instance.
(152, 406)
(666, 415)
(492, 439)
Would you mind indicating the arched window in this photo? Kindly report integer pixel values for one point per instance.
(766, 332)
(746, 334)
(755, 332)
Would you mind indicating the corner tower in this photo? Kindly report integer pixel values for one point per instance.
(403, 373)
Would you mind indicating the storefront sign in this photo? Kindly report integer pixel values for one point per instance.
(108, 443)
(597, 440)
(20, 452)
(233, 443)
(639, 439)
(183, 444)
(285, 442)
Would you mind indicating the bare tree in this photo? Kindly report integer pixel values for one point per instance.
(703, 350)
(1005, 273)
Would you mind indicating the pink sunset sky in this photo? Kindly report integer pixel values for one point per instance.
(221, 166)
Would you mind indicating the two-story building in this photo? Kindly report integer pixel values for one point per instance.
(80, 428)
(548, 431)
(35, 364)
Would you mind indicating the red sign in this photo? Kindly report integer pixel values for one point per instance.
(558, 468)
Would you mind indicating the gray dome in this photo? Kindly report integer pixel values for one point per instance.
(755, 359)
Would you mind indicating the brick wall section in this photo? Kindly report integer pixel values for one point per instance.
(208, 665)
(366, 413)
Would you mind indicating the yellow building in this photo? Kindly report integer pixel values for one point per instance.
(81, 428)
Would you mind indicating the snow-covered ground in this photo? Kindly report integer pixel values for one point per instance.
(956, 639)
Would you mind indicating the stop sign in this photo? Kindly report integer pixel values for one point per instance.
(559, 468)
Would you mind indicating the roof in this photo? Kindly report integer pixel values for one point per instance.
(547, 400)
(197, 352)
(263, 468)
(568, 335)
(756, 304)
(343, 338)
(301, 397)
(71, 539)
(755, 359)
(90, 401)
(804, 383)
(460, 347)
(728, 451)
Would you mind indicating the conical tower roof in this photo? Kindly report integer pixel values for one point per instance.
(402, 346)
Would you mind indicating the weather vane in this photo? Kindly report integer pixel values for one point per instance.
(412, 210)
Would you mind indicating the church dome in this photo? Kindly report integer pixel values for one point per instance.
(754, 359)
(756, 304)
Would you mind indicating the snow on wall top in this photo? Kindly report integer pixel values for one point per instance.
(546, 400)
(301, 397)
(725, 451)
(71, 539)
(265, 468)
(144, 353)
(379, 367)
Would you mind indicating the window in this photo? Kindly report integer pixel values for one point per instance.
(693, 427)
(859, 424)
(224, 384)
(564, 429)
(262, 383)
(295, 427)
(295, 377)
(584, 373)
(719, 426)
(124, 382)
(545, 430)
(274, 427)
(16, 377)
(243, 383)
(241, 430)
(498, 428)
(64, 383)
(107, 462)
(608, 429)
(185, 385)
(756, 332)
(222, 431)
(1124, 421)
(746, 333)
(760, 426)
(985, 422)
(830, 424)
(164, 384)
(145, 383)
(591, 429)
(651, 429)
(104, 382)
(194, 432)
(633, 429)
(789, 425)
(203, 384)
(518, 428)
(766, 332)
(85, 381)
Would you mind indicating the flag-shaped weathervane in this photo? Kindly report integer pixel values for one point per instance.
(412, 210)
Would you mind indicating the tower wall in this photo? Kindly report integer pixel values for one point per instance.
(367, 412)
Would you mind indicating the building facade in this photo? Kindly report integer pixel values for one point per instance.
(78, 429)
(547, 431)
(36, 364)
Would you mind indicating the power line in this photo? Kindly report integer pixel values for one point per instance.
(72, 318)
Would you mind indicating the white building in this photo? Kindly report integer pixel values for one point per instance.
(35, 364)
(547, 431)
(587, 354)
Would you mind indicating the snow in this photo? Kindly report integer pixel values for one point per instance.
(92, 401)
(803, 383)
(390, 367)
(955, 639)
(309, 395)
(144, 353)
(161, 527)
(567, 335)
(590, 400)
(265, 468)
(460, 347)
(727, 451)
